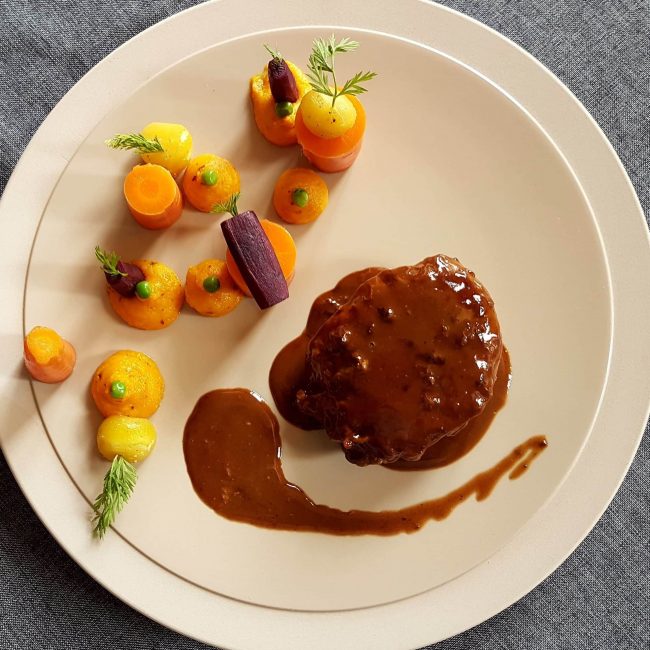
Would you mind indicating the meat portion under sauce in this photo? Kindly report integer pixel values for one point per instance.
(410, 358)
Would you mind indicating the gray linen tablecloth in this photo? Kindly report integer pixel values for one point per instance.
(600, 597)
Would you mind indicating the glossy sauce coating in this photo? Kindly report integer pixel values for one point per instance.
(450, 448)
(290, 374)
(233, 455)
(409, 359)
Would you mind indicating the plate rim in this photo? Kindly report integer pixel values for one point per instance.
(83, 553)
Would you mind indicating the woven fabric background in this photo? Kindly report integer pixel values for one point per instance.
(600, 597)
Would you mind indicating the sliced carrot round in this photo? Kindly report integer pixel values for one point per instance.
(210, 289)
(209, 180)
(48, 357)
(332, 154)
(285, 250)
(162, 306)
(277, 130)
(153, 196)
(143, 386)
(300, 186)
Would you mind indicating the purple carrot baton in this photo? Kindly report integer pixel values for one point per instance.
(253, 254)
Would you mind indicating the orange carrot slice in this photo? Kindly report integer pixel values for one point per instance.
(285, 251)
(143, 386)
(163, 305)
(210, 289)
(333, 154)
(277, 130)
(300, 195)
(48, 357)
(153, 196)
(209, 180)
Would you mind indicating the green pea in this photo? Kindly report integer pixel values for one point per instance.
(283, 109)
(209, 177)
(118, 390)
(143, 289)
(211, 284)
(300, 197)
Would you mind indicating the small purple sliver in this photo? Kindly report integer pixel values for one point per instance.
(255, 258)
(282, 82)
(125, 284)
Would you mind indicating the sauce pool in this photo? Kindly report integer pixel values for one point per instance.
(233, 453)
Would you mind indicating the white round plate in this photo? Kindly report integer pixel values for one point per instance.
(464, 155)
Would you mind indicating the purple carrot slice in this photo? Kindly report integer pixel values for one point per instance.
(282, 82)
(255, 259)
(125, 284)
(122, 276)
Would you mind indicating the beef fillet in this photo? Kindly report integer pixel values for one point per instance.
(409, 359)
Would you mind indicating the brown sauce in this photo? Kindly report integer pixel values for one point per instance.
(289, 374)
(233, 455)
(448, 450)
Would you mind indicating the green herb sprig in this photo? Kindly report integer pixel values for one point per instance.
(109, 261)
(134, 141)
(228, 206)
(275, 54)
(119, 483)
(321, 65)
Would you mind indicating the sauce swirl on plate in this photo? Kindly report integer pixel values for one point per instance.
(233, 454)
